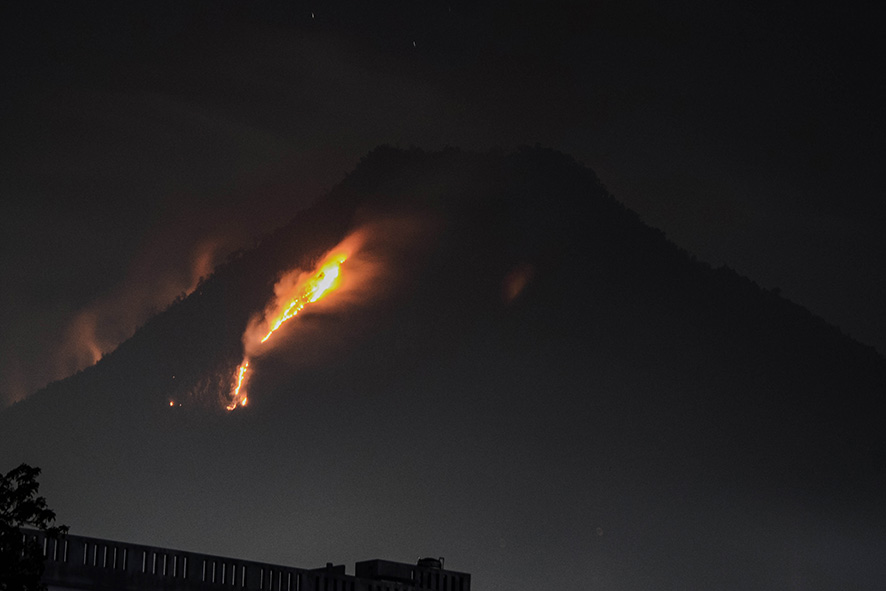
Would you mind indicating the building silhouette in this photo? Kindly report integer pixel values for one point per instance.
(83, 563)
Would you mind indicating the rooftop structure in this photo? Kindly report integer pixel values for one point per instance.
(81, 563)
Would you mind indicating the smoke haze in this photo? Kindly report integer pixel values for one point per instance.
(652, 421)
(381, 258)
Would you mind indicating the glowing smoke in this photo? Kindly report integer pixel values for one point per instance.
(150, 286)
(516, 281)
(363, 269)
(293, 293)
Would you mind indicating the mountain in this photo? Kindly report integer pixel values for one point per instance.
(517, 373)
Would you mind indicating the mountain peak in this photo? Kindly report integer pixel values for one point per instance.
(504, 329)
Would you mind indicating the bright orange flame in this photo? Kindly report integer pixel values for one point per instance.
(321, 282)
(240, 376)
(325, 279)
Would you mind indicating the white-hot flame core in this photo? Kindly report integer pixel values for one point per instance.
(308, 289)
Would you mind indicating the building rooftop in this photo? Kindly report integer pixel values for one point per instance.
(79, 562)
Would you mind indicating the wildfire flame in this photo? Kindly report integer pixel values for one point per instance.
(325, 278)
(240, 376)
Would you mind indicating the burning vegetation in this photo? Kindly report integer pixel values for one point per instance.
(294, 292)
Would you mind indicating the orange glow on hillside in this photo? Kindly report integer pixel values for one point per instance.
(324, 280)
(240, 375)
(307, 290)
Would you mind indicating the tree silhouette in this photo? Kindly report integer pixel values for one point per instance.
(21, 560)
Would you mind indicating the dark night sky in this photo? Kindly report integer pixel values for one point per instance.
(142, 144)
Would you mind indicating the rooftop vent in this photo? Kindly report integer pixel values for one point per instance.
(431, 562)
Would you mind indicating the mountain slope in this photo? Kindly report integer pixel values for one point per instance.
(525, 374)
